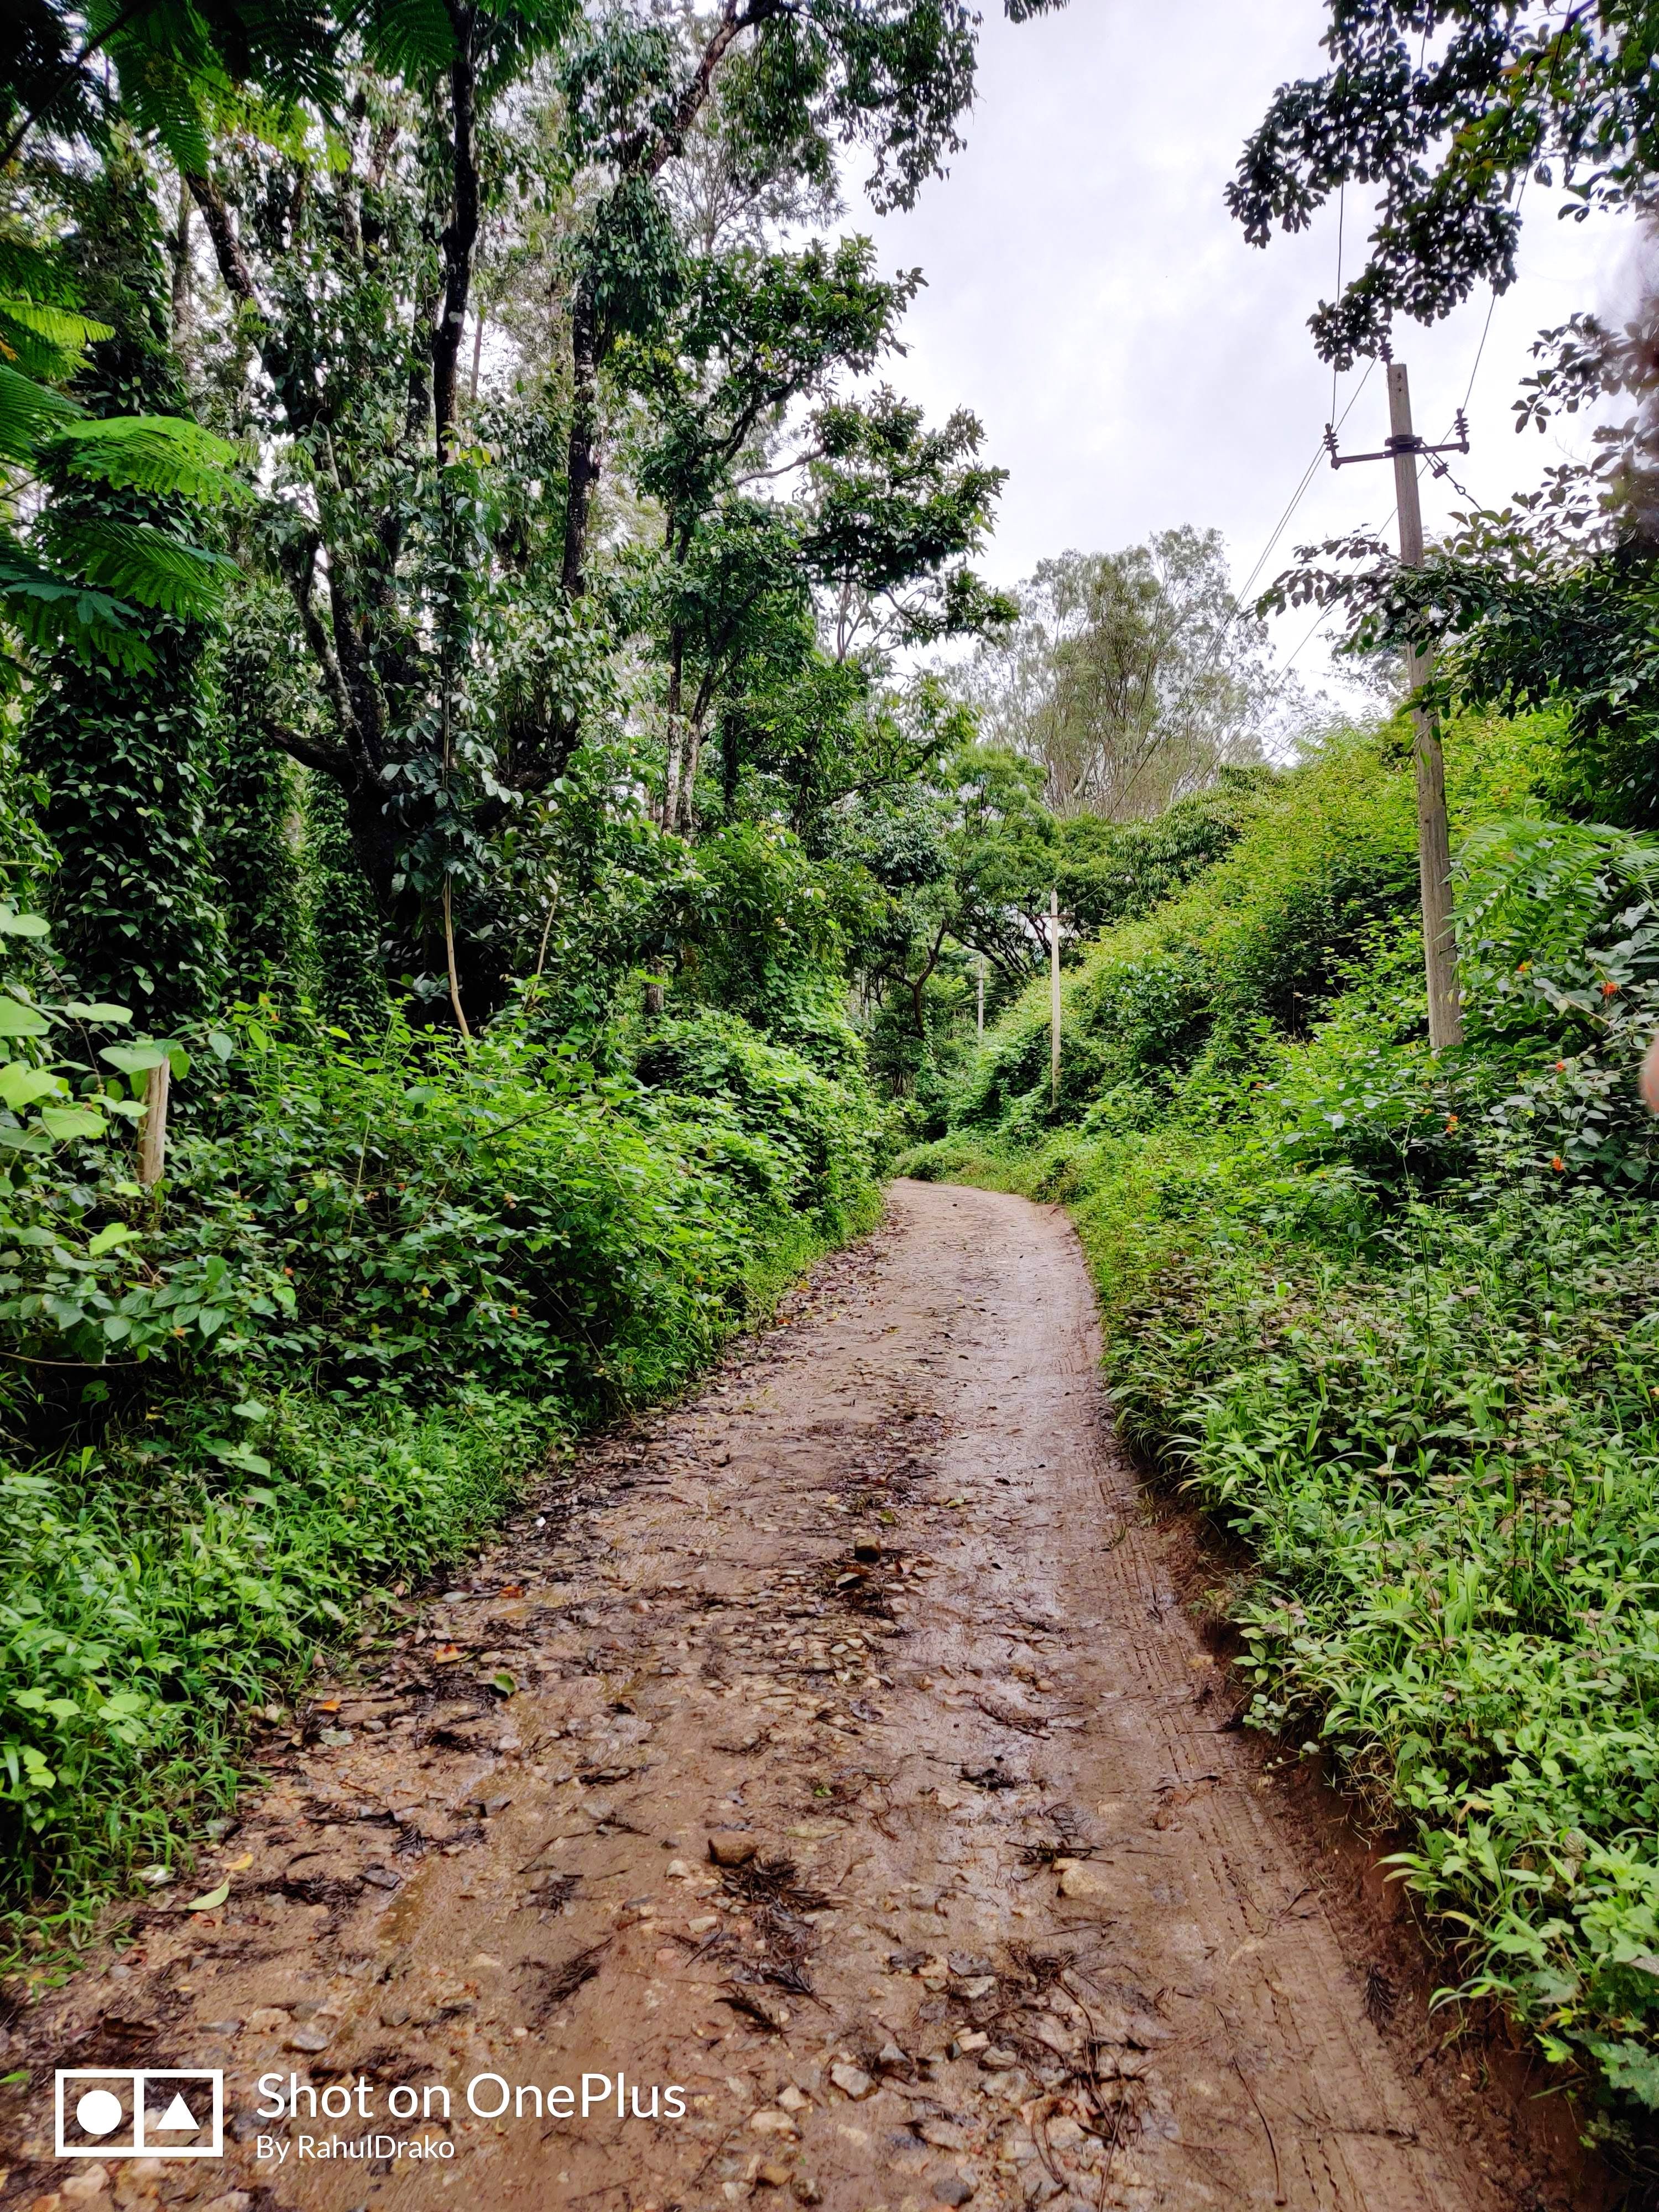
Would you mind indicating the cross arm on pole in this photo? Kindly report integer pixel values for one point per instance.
(1405, 442)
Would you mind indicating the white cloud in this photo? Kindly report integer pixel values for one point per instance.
(1136, 364)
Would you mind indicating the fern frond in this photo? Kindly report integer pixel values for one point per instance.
(31, 273)
(43, 611)
(141, 563)
(29, 411)
(158, 454)
(61, 327)
(166, 101)
(408, 37)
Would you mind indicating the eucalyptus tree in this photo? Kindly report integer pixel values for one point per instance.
(1131, 677)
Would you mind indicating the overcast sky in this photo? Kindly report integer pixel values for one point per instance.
(1135, 363)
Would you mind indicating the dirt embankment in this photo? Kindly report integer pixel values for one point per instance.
(1009, 1913)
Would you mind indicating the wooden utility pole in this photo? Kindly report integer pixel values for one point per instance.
(1433, 840)
(1054, 998)
(979, 1003)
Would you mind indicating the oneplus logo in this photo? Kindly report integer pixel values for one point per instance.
(108, 2112)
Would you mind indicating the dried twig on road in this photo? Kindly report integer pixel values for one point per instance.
(564, 1979)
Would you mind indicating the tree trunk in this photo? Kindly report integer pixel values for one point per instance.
(179, 246)
(670, 790)
(581, 468)
(460, 233)
(689, 758)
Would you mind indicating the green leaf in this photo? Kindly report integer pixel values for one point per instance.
(210, 1899)
(18, 1020)
(21, 1084)
(13, 924)
(108, 1239)
(24, 1140)
(79, 1012)
(65, 1122)
(132, 1059)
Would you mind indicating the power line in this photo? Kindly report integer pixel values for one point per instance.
(1492, 308)
(1297, 496)
(1342, 217)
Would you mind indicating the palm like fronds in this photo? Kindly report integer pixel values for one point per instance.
(79, 578)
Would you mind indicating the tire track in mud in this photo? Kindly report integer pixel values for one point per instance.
(835, 1748)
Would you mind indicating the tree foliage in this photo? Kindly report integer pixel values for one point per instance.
(1131, 677)
(1443, 107)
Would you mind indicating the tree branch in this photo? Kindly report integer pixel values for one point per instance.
(14, 145)
(734, 21)
(327, 760)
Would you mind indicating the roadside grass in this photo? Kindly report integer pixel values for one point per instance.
(1394, 1323)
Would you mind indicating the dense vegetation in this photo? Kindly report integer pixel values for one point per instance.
(507, 759)
(456, 545)
(1392, 1320)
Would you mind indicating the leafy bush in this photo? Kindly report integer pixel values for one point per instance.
(1260, 944)
(143, 1600)
(826, 1135)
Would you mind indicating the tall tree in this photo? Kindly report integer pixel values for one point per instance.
(125, 744)
(1131, 677)
(893, 75)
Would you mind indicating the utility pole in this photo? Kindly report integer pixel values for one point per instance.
(1054, 998)
(979, 1004)
(1433, 840)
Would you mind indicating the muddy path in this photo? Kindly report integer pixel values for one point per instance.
(1009, 1913)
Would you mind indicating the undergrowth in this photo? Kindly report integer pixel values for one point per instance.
(1394, 1322)
(374, 1288)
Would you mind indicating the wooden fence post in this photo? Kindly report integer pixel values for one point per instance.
(1054, 998)
(153, 1129)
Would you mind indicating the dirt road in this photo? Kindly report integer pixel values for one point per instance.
(1009, 1914)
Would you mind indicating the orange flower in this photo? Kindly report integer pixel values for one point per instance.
(1609, 990)
(1560, 1066)
(1451, 1121)
(1558, 1164)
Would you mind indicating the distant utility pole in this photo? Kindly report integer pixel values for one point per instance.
(1054, 998)
(979, 1003)
(1433, 842)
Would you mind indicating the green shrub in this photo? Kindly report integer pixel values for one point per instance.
(142, 1600)
(328, 1346)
